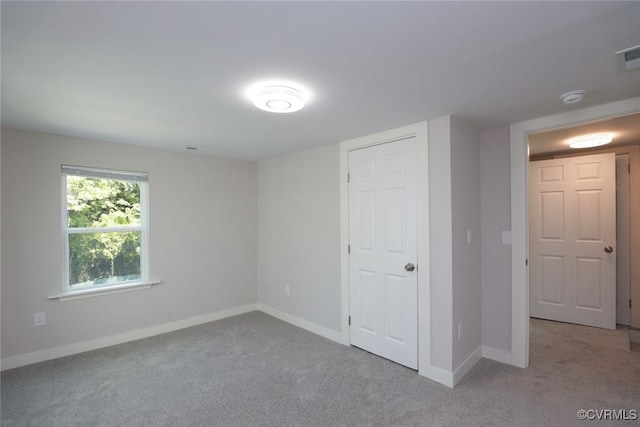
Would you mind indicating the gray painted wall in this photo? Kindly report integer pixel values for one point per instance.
(440, 245)
(242, 232)
(466, 275)
(202, 240)
(0, 242)
(299, 235)
(454, 208)
(496, 257)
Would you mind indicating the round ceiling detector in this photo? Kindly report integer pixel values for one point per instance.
(572, 97)
(277, 98)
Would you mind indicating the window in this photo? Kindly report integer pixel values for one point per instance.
(105, 227)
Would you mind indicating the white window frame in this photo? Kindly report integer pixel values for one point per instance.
(141, 178)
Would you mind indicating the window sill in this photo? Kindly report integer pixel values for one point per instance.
(106, 290)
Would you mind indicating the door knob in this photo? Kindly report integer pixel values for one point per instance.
(409, 267)
(608, 249)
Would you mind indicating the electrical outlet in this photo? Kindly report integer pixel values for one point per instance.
(469, 236)
(459, 330)
(39, 319)
(287, 290)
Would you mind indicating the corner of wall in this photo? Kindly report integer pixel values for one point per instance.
(299, 203)
(495, 206)
(466, 244)
(441, 250)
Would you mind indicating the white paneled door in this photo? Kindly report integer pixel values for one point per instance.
(383, 251)
(572, 240)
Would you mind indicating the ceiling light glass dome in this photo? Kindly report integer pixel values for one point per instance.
(278, 97)
(591, 140)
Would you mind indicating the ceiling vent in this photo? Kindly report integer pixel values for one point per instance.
(631, 57)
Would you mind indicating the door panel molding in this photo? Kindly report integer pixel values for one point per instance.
(420, 132)
(389, 212)
(568, 233)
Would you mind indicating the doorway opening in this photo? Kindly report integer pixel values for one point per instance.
(552, 147)
(519, 156)
(548, 150)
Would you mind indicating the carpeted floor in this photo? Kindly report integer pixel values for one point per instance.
(256, 370)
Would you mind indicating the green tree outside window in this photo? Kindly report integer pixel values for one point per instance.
(101, 250)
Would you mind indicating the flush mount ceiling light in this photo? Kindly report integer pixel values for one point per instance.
(278, 97)
(572, 97)
(591, 140)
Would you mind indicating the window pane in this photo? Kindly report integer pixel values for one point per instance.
(103, 258)
(97, 202)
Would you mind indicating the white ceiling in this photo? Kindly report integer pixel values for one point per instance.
(171, 74)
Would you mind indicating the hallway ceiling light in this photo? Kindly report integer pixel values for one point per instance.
(591, 140)
(278, 97)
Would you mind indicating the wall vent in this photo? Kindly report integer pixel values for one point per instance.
(631, 57)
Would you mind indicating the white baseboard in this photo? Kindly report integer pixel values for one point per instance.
(450, 379)
(301, 323)
(81, 347)
(466, 366)
(438, 375)
(634, 335)
(496, 354)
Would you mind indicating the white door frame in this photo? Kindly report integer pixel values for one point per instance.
(519, 210)
(623, 231)
(419, 131)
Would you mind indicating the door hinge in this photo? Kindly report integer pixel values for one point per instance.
(629, 303)
(526, 261)
(349, 320)
(348, 178)
(349, 249)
